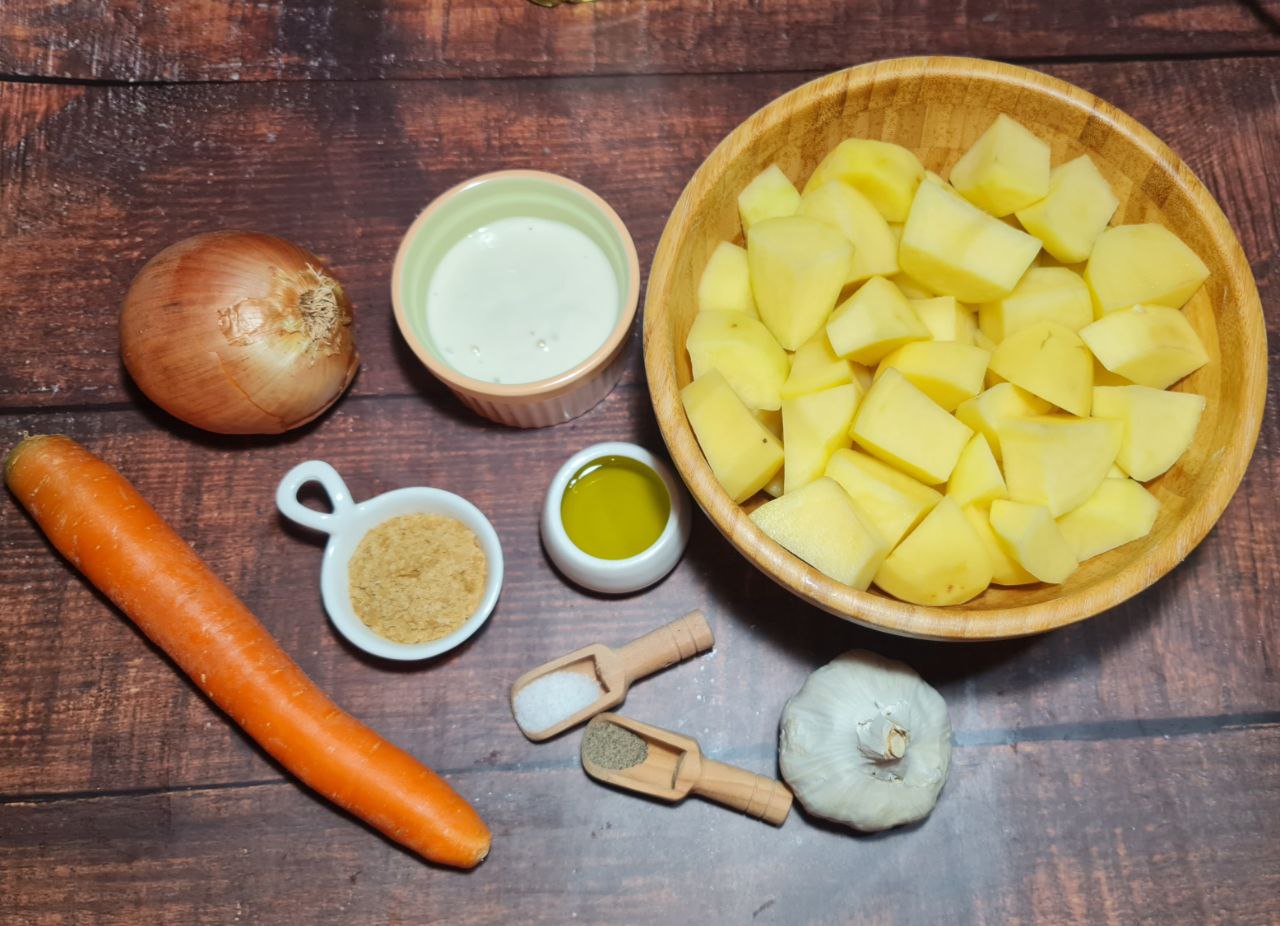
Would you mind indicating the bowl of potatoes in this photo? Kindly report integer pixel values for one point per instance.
(954, 349)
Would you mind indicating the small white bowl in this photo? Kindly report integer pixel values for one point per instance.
(346, 526)
(616, 576)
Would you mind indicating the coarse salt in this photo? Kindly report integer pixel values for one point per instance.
(553, 698)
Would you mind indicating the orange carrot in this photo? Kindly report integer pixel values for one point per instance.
(99, 522)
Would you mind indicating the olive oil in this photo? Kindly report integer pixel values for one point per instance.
(615, 507)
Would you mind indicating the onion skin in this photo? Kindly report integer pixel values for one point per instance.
(238, 333)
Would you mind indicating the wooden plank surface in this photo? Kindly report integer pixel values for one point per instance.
(1109, 832)
(150, 40)
(102, 178)
(1123, 770)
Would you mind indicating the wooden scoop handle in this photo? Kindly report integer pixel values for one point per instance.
(669, 644)
(754, 795)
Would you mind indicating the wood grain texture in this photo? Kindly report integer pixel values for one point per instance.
(938, 107)
(1117, 771)
(100, 179)
(1178, 830)
(150, 40)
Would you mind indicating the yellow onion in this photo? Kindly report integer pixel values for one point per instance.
(238, 333)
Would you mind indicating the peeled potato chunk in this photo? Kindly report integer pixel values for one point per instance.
(885, 173)
(1147, 264)
(1003, 400)
(1119, 511)
(904, 427)
(1057, 460)
(943, 561)
(945, 371)
(1151, 345)
(875, 249)
(798, 266)
(1006, 169)
(743, 351)
(815, 366)
(1004, 568)
(742, 453)
(977, 479)
(1044, 294)
(946, 319)
(874, 321)
(1050, 361)
(725, 284)
(1073, 213)
(770, 195)
(820, 524)
(955, 249)
(890, 501)
(814, 426)
(1158, 425)
(1030, 534)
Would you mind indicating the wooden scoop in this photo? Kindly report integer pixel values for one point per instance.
(615, 670)
(674, 767)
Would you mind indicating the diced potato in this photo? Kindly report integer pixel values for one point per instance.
(1073, 213)
(725, 285)
(1044, 294)
(1116, 473)
(820, 524)
(1006, 169)
(1120, 510)
(1050, 361)
(980, 339)
(985, 412)
(743, 351)
(910, 287)
(770, 195)
(1104, 377)
(943, 561)
(890, 501)
(904, 427)
(1142, 264)
(771, 418)
(1004, 568)
(815, 366)
(1030, 534)
(946, 319)
(956, 249)
(1056, 460)
(814, 427)
(874, 321)
(875, 249)
(1151, 345)
(885, 173)
(798, 266)
(741, 452)
(773, 488)
(945, 371)
(861, 375)
(976, 480)
(1158, 425)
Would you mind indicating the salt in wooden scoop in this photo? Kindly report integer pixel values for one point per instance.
(564, 692)
(649, 760)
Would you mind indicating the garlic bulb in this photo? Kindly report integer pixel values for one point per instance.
(866, 742)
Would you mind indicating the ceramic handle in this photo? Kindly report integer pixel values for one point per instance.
(313, 471)
(756, 796)
(669, 644)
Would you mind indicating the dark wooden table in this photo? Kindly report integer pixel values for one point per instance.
(1123, 770)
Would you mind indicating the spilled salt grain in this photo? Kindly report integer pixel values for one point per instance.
(548, 700)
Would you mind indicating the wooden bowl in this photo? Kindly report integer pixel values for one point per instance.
(937, 106)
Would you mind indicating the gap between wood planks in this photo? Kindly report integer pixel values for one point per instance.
(1027, 61)
(1093, 731)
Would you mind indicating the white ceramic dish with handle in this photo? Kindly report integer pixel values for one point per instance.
(346, 526)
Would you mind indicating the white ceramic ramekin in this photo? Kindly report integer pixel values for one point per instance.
(346, 526)
(616, 576)
(462, 209)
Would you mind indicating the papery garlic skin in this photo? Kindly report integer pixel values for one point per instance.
(847, 714)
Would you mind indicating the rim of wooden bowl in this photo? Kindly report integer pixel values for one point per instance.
(957, 623)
